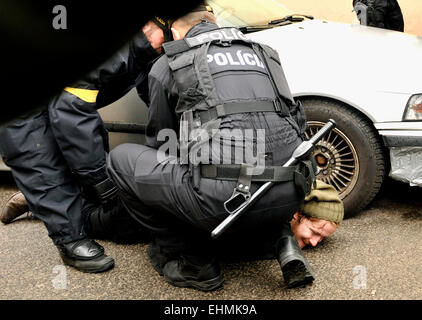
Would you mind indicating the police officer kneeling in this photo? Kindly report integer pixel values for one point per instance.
(216, 87)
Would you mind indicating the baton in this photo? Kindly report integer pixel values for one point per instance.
(301, 152)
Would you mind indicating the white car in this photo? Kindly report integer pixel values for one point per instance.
(366, 79)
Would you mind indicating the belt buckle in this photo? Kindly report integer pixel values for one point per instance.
(241, 190)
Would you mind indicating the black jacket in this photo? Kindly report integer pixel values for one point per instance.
(233, 83)
(76, 124)
(384, 14)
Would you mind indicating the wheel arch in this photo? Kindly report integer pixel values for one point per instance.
(337, 99)
(369, 123)
(363, 114)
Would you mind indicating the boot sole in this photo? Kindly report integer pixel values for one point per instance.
(97, 265)
(296, 274)
(207, 285)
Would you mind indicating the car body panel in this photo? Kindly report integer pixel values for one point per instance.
(128, 110)
(371, 69)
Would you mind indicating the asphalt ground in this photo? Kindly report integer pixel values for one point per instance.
(376, 255)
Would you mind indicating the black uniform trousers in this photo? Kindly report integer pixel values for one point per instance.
(41, 173)
(159, 195)
(53, 153)
(54, 194)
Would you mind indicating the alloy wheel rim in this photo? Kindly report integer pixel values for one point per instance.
(336, 159)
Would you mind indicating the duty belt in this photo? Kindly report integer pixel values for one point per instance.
(232, 172)
(245, 174)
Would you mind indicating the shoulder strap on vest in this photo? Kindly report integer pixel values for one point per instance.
(219, 35)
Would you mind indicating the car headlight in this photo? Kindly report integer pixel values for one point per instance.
(414, 108)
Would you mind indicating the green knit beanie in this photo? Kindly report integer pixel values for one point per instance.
(323, 203)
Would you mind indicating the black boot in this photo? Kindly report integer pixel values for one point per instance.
(114, 224)
(85, 255)
(294, 265)
(157, 258)
(184, 272)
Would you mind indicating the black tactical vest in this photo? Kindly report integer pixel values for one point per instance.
(199, 105)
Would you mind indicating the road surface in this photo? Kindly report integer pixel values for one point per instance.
(375, 255)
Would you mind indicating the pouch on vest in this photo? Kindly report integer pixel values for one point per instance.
(298, 114)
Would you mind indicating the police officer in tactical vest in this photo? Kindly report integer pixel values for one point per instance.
(222, 122)
(379, 13)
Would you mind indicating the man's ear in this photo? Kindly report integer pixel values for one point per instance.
(296, 216)
(176, 34)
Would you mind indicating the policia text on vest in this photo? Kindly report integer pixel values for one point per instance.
(223, 59)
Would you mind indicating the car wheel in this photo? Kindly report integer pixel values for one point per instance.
(351, 157)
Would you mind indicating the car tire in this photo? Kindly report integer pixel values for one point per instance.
(351, 157)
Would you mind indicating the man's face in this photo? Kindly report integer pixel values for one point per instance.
(154, 35)
(311, 231)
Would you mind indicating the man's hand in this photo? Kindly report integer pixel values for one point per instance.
(154, 35)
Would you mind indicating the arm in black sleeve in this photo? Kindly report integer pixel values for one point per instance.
(160, 113)
(77, 126)
(380, 13)
(120, 74)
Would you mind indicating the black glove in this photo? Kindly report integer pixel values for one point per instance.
(103, 193)
(105, 190)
